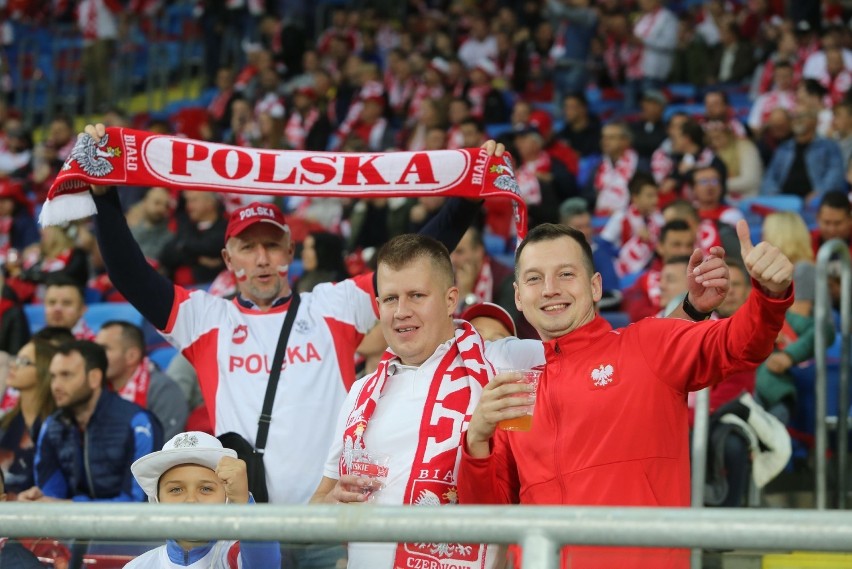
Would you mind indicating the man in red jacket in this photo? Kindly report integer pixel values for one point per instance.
(610, 423)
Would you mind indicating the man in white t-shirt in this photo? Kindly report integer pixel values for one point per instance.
(417, 404)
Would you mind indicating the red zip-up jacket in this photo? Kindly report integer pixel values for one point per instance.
(610, 422)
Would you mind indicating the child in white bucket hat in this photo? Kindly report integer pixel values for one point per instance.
(194, 467)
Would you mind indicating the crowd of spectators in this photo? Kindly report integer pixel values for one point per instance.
(649, 125)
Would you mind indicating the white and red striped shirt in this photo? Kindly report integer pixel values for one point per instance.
(231, 348)
(768, 102)
(97, 19)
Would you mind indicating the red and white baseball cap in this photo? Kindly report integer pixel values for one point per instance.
(491, 310)
(255, 212)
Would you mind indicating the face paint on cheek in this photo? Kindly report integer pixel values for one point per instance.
(283, 270)
(241, 275)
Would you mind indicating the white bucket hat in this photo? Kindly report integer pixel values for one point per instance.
(193, 447)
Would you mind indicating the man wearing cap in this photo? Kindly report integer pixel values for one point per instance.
(194, 468)
(649, 131)
(231, 342)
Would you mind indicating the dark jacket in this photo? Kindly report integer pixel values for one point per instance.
(14, 327)
(95, 464)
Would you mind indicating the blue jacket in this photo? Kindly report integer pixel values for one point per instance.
(95, 464)
(822, 158)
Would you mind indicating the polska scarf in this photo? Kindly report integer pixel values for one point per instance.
(454, 392)
(126, 157)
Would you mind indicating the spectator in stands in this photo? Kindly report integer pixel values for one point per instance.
(718, 108)
(691, 63)
(56, 254)
(709, 233)
(370, 127)
(14, 328)
(842, 130)
(649, 131)
(60, 135)
(18, 229)
(574, 212)
(114, 433)
(135, 378)
(787, 51)
(415, 289)
(708, 187)
(65, 305)
(551, 465)
(431, 115)
(834, 220)
(486, 102)
(807, 166)
(837, 78)
(535, 175)
(656, 33)
(220, 106)
(194, 468)
(307, 127)
(811, 94)
(322, 261)
(149, 222)
(621, 56)
(575, 24)
(582, 129)
(634, 232)
(673, 284)
(480, 44)
(733, 62)
(741, 159)
(782, 96)
(479, 277)
(20, 427)
(193, 254)
(98, 21)
(616, 169)
(778, 130)
(689, 153)
(14, 555)
(458, 111)
(642, 299)
(663, 157)
(16, 156)
(776, 387)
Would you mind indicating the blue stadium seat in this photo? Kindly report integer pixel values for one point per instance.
(783, 202)
(494, 244)
(685, 92)
(296, 270)
(495, 130)
(97, 314)
(35, 316)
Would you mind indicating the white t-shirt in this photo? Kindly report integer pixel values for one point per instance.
(394, 430)
(231, 348)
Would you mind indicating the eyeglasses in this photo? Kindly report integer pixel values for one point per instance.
(21, 361)
(707, 182)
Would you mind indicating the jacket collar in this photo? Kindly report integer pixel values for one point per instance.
(579, 339)
(179, 556)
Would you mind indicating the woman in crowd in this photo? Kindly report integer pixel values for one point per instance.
(19, 429)
(740, 156)
(322, 259)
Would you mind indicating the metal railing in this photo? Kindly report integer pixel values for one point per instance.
(832, 251)
(700, 443)
(541, 530)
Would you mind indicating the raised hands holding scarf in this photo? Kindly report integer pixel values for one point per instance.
(125, 157)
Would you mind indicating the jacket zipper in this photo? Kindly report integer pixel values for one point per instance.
(86, 464)
(557, 447)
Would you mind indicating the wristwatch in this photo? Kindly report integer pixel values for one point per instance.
(693, 312)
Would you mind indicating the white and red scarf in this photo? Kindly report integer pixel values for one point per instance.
(299, 126)
(636, 252)
(136, 388)
(611, 181)
(455, 389)
(6, 223)
(126, 157)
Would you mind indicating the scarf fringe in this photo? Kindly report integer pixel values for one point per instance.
(65, 208)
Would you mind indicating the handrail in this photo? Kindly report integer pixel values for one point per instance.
(838, 250)
(541, 528)
(700, 444)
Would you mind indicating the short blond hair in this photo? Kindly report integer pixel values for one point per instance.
(787, 231)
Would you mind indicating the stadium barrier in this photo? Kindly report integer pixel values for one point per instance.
(541, 530)
(833, 251)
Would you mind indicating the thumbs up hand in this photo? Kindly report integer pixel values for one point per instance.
(765, 263)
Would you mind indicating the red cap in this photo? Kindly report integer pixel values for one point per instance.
(542, 122)
(307, 91)
(254, 212)
(491, 310)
